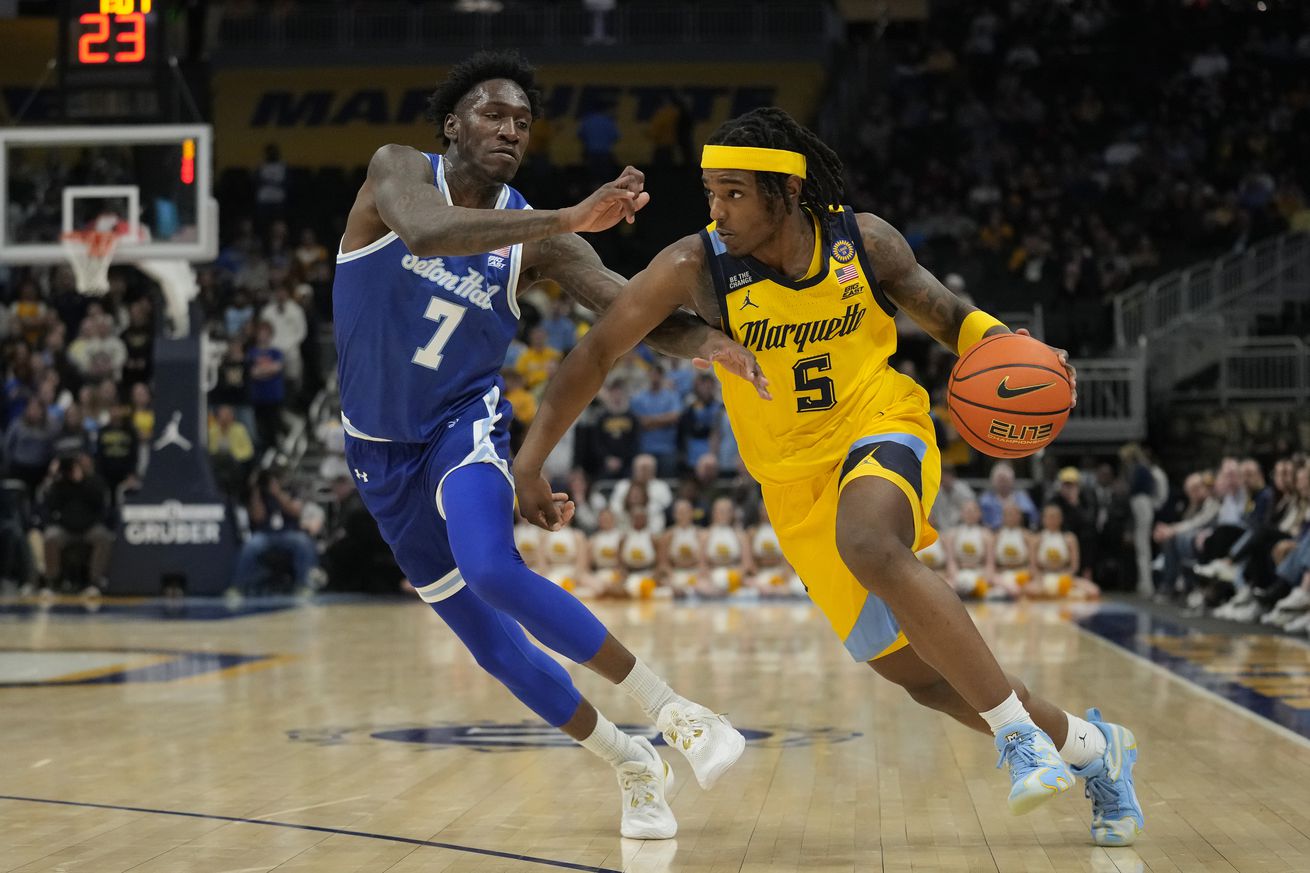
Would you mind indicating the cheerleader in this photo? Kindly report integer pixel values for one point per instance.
(606, 567)
(1055, 560)
(639, 557)
(682, 558)
(1014, 552)
(566, 560)
(970, 554)
(727, 554)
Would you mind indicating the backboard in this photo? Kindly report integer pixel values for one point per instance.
(151, 183)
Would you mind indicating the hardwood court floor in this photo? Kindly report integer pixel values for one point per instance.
(371, 742)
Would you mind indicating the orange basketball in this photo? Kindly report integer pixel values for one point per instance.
(1009, 396)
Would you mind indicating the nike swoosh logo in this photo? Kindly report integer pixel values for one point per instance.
(1005, 392)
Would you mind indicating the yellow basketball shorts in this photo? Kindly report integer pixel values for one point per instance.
(903, 451)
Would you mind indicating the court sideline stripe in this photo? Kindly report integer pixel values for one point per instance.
(1277, 728)
(472, 850)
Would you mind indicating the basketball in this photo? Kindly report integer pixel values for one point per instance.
(1009, 396)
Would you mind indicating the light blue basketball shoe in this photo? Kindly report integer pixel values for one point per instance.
(1116, 814)
(1036, 771)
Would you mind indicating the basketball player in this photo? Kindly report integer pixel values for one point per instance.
(846, 455)
(424, 305)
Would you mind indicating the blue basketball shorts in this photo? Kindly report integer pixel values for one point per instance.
(401, 486)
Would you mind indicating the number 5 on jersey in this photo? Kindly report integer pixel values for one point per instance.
(447, 315)
(807, 382)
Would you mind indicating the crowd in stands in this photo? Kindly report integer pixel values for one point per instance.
(1059, 152)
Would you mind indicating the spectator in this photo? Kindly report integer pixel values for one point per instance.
(28, 315)
(561, 329)
(143, 410)
(538, 360)
(698, 420)
(232, 385)
(118, 448)
(598, 133)
(267, 385)
(72, 439)
(953, 494)
(659, 497)
(230, 450)
(97, 353)
(29, 445)
(614, 433)
(270, 186)
(74, 507)
(705, 486)
(139, 342)
(1077, 516)
(1112, 518)
(287, 319)
(274, 525)
(238, 314)
(1002, 491)
(658, 409)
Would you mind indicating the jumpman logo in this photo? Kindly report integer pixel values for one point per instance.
(172, 435)
(748, 302)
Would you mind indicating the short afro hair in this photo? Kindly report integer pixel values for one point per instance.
(474, 70)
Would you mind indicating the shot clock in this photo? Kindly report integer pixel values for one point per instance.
(113, 33)
(114, 64)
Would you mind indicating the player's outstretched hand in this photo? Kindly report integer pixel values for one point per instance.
(539, 505)
(1068, 368)
(609, 204)
(736, 359)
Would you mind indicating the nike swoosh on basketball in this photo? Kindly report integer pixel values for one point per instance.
(1005, 392)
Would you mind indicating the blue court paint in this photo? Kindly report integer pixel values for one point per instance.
(454, 847)
(1268, 675)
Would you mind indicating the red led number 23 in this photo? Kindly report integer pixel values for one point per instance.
(133, 38)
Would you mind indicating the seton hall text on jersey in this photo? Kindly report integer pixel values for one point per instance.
(469, 286)
(762, 334)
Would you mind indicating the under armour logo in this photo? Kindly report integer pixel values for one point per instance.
(748, 301)
(361, 475)
(172, 435)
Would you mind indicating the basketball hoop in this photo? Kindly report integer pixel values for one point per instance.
(89, 253)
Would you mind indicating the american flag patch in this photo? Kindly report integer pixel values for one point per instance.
(848, 273)
(504, 253)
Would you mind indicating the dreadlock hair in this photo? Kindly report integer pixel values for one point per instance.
(474, 70)
(771, 128)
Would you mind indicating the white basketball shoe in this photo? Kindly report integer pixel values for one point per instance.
(708, 740)
(646, 813)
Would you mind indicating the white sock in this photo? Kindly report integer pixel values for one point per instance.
(611, 744)
(650, 691)
(1084, 744)
(1011, 711)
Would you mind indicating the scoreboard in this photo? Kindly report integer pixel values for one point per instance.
(113, 60)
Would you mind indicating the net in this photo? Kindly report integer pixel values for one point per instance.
(89, 253)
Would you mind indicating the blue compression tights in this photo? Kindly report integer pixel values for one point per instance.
(479, 518)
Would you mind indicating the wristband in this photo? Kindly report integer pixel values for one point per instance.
(975, 324)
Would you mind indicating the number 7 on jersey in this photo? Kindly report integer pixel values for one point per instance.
(447, 315)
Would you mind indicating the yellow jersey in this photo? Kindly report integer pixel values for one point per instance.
(822, 342)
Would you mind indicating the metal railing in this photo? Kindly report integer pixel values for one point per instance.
(1264, 370)
(421, 26)
(1111, 401)
(1258, 281)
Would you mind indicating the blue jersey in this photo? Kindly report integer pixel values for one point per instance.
(420, 338)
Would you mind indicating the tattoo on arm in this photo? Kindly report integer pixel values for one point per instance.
(930, 304)
(909, 285)
(570, 261)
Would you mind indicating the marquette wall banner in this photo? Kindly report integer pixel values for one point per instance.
(322, 116)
